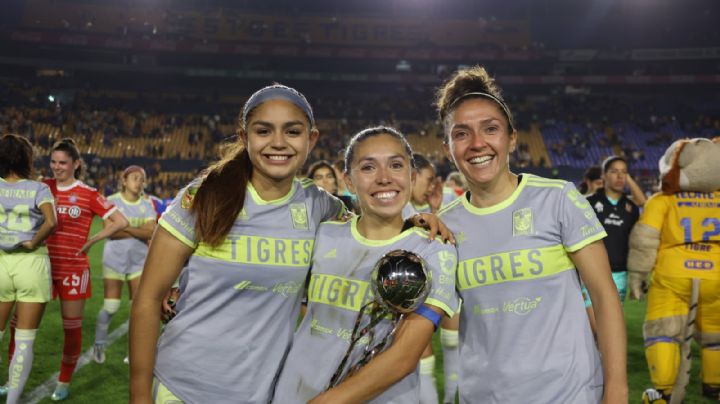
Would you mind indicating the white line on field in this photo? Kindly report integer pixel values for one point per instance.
(46, 389)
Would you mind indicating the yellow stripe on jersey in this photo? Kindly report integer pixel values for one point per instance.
(542, 184)
(513, 266)
(349, 294)
(170, 227)
(258, 250)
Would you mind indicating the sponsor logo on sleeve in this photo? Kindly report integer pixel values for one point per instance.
(187, 198)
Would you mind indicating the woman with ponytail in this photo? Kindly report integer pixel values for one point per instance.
(524, 334)
(27, 218)
(76, 205)
(244, 232)
(124, 253)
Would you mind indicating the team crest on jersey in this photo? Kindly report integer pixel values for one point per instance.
(522, 222)
(598, 207)
(298, 211)
(72, 198)
(74, 212)
(188, 197)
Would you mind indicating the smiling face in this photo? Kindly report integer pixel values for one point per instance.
(134, 182)
(381, 175)
(63, 166)
(278, 138)
(479, 142)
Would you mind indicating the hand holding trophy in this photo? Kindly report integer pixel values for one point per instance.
(400, 283)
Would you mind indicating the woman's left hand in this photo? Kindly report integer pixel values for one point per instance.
(433, 225)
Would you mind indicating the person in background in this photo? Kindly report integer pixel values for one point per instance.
(27, 218)
(454, 186)
(76, 204)
(592, 180)
(124, 253)
(323, 174)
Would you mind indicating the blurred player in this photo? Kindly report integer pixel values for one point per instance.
(454, 186)
(76, 205)
(592, 180)
(523, 333)
(380, 172)
(323, 174)
(124, 253)
(27, 217)
(426, 194)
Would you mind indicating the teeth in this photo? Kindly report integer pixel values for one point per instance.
(278, 158)
(386, 195)
(481, 160)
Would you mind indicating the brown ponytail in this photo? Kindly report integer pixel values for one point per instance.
(221, 195)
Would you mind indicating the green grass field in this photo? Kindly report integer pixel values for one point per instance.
(108, 383)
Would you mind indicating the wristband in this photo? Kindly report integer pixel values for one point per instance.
(429, 314)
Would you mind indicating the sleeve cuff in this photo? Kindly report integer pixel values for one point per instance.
(589, 240)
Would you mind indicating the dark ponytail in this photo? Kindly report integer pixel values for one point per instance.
(16, 156)
(68, 146)
(221, 196)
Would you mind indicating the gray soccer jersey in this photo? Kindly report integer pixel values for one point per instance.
(339, 286)
(20, 215)
(127, 256)
(239, 302)
(524, 334)
(409, 209)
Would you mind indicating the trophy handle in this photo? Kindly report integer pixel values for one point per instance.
(370, 353)
(377, 313)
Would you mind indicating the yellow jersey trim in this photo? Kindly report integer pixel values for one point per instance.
(511, 266)
(587, 241)
(170, 229)
(259, 250)
(379, 243)
(497, 207)
(440, 305)
(280, 201)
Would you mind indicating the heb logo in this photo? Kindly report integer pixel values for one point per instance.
(702, 265)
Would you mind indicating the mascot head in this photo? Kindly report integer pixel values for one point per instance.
(691, 165)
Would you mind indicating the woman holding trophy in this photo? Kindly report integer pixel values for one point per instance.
(379, 169)
(523, 239)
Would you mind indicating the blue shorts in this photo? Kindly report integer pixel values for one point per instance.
(620, 279)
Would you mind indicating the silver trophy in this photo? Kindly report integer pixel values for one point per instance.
(400, 283)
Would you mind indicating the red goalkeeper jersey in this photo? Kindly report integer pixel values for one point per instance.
(76, 205)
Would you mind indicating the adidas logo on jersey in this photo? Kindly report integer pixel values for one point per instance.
(73, 291)
(331, 254)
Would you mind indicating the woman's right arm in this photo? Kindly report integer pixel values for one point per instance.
(165, 260)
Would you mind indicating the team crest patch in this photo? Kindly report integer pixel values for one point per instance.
(598, 207)
(298, 211)
(188, 197)
(522, 222)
